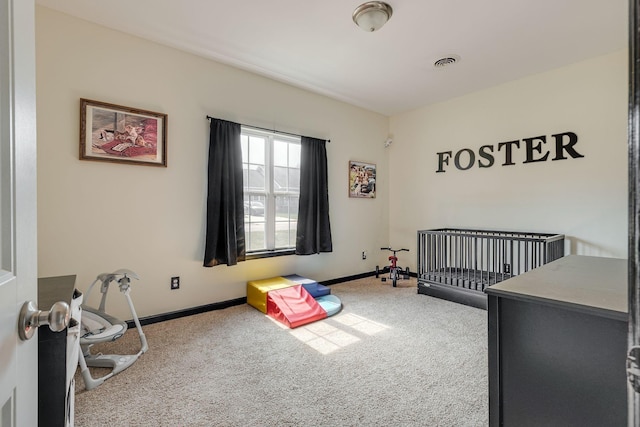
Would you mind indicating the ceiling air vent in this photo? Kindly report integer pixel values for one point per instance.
(443, 62)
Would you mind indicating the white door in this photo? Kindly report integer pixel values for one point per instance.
(18, 242)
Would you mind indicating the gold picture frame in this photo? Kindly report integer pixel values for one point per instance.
(114, 133)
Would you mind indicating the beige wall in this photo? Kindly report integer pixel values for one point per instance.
(585, 198)
(96, 217)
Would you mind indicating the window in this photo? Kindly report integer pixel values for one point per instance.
(271, 168)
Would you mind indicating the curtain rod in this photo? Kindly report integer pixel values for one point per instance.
(269, 130)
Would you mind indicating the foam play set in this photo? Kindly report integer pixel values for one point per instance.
(292, 300)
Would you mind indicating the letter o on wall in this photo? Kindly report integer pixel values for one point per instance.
(472, 159)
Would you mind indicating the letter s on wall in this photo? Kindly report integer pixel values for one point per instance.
(488, 156)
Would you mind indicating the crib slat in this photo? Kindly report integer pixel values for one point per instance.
(471, 260)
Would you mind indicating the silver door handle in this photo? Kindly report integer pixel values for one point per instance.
(30, 318)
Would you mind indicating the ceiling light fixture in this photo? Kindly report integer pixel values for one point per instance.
(372, 15)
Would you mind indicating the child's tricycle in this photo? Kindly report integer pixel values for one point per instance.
(395, 271)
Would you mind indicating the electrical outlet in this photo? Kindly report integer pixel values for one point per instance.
(507, 268)
(175, 282)
(364, 254)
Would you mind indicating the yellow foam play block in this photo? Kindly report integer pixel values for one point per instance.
(257, 291)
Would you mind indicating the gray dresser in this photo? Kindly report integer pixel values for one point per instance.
(58, 354)
(558, 343)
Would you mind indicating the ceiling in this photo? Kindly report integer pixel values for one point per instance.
(316, 46)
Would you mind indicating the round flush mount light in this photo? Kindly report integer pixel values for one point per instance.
(372, 15)
(446, 61)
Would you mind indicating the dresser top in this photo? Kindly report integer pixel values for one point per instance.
(53, 289)
(590, 284)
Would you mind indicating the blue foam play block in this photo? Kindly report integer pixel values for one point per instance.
(311, 286)
(317, 290)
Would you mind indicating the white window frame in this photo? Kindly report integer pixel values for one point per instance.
(270, 192)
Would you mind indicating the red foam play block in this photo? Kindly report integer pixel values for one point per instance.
(293, 306)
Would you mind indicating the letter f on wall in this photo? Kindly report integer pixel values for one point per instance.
(442, 160)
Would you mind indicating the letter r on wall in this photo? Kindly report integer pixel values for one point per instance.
(568, 147)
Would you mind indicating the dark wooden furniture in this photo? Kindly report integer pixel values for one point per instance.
(58, 354)
(558, 343)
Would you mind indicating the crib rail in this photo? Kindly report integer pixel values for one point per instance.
(471, 260)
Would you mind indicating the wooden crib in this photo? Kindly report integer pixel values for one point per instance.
(458, 264)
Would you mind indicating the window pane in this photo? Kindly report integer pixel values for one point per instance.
(286, 221)
(280, 179)
(280, 157)
(254, 208)
(254, 178)
(255, 236)
(294, 155)
(283, 236)
(244, 144)
(292, 234)
(294, 180)
(256, 150)
(254, 222)
(293, 207)
(282, 208)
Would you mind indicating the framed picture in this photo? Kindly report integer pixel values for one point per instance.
(362, 180)
(113, 133)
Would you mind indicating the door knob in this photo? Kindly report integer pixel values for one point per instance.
(30, 318)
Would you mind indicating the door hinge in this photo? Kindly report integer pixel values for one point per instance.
(633, 368)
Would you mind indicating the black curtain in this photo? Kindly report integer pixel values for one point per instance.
(314, 229)
(225, 242)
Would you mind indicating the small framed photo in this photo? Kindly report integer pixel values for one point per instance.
(362, 180)
(113, 133)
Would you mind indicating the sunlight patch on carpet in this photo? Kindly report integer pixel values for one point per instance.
(361, 324)
(326, 338)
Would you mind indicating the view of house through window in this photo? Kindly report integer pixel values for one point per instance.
(271, 168)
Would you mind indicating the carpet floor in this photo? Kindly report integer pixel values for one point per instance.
(391, 357)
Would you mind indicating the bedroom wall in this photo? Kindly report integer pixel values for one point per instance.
(96, 217)
(584, 198)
